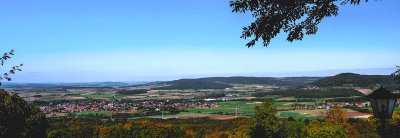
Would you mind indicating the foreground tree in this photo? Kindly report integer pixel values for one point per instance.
(265, 122)
(17, 117)
(336, 115)
(295, 129)
(318, 129)
(294, 17)
(20, 119)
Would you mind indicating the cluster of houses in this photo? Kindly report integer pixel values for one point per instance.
(329, 106)
(69, 108)
(121, 106)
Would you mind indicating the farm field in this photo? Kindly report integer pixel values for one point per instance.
(108, 96)
(291, 104)
(189, 115)
(302, 114)
(245, 108)
(181, 114)
(86, 113)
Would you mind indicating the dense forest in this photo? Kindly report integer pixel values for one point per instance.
(352, 79)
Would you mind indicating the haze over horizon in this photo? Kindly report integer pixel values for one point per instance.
(95, 41)
(320, 73)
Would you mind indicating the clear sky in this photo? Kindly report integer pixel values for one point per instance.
(143, 40)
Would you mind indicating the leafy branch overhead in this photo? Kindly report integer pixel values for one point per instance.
(13, 69)
(294, 17)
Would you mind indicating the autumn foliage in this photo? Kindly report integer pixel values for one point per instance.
(149, 128)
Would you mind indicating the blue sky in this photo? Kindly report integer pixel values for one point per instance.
(141, 40)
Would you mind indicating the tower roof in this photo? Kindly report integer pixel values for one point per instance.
(381, 93)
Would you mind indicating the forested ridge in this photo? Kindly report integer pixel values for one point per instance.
(226, 82)
(353, 80)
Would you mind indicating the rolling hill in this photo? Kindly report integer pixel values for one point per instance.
(226, 82)
(343, 79)
(351, 79)
(194, 84)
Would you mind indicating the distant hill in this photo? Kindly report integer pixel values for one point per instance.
(284, 81)
(351, 79)
(194, 84)
(29, 85)
(226, 82)
(68, 85)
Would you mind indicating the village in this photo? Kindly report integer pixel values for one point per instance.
(124, 106)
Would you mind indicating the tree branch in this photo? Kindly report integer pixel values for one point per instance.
(6, 76)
